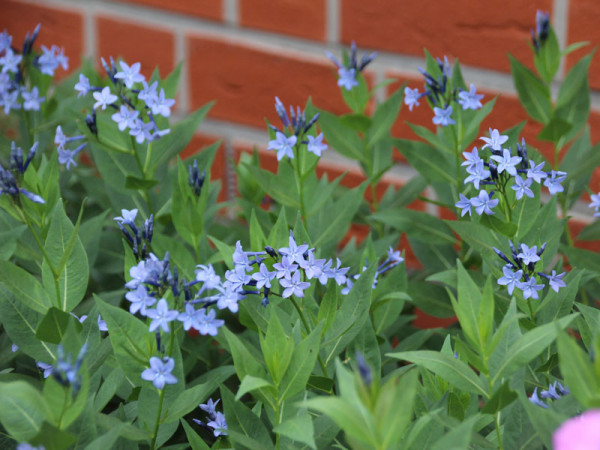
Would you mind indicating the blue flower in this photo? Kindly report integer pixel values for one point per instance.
(161, 105)
(10, 61)
(102, 324)
(556, 281)
(263, 277)
(159, 372)
(161, 316)
(125, 117)
(10, 100)
(67, 156)
(507, 162)
(47, 368)
(465, 204)
(477, 174)
(315, 144)
(83, 85)
(510, 278)
(127, 217)
(442, 116)
(522, 186)
(528, 255)
(294, 251)
(51, 58)
(206, 323)
(130, 74)
(104, 98)
(285, 268)
(32, 100)
(347, 78)
(210, 406)
(140, 300)
(283, 144)
(411, 97)
(229, 299)
(530, 289)
(536, 172)
(595, 203)
(470, 100)
(294, 286)
(553, 181)
(218, 424)
(483, 203)
(237, 277)
(536, 400)
(495, 140)
(471, 159)
(8, 185)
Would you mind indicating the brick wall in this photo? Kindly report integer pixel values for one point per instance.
(242, 53)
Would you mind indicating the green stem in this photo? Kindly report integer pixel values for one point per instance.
(531, 313)
(148, 157)
(308, 330)
(299, 187)
(498, 432)
(161, 398)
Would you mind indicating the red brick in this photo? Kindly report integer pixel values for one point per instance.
(305, 19)
(147, 44)
(575, 227)
(425, 321)
(583, 26)
(59, 27)
(245, 80)
(211, 9)
(480, 33)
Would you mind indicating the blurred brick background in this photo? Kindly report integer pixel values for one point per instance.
(242, 53)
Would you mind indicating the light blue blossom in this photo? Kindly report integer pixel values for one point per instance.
(595, 203)
(229, 299)
(5, 41)
(316, 145)
(470, 99)
(161, 105)
(51, 58)
(140, 130)
(104, 98)
(237, 278)
(442, 116)
(471, 159)
(83, 85)
(67, 157)
(263, 277)
(285, 268)
(283, 145)
(210, 406)
(464, 204)
(556, 281)
(102, 324)
(218, 424)
(294, 251)
(47, 368)
(553, 181)
(130, 74)
(536, 400)
(161, 316)
(510, 278)
(10, 61)
(507, 162)
(313, 268)
(127, 217)
(483, 203)
(125, 117)
(477, 174)
(159, 372)
(522, 186)
(149, 92)
(188, 317)
(495, 140)
(347, 78)
(32, 100)
(530, 289)
(140, 300)
(207, 275)
(206, 323)
(528, 255)
(10, 100)
(293, 286)
(536, 172)
(411, 97)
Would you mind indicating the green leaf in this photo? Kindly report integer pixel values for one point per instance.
(193, 438)
(225, 250)
(578, 372)
(277, 349)
(554, 130)
(454, 371)
(384, 117)
(8, 241)
(432, 138)
(244, 428)
(356, 122)
(278, 187)
(547, 58)
(559, 304)
(529, 346)
(533, 93)
(51, 438)
(23, 410)
(341, 138)
(24, 286)
(53, 326)
(479, 237)
(132, 182)
(417, 224)
(433, 165)
(301, 365)
(68, 257)
(243, 359)
(250, 383)
(298, 428)
(132, 344)
(503, 397)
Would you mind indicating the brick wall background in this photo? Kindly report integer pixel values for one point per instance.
(242, 53)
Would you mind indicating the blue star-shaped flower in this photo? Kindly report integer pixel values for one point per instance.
(283, 145)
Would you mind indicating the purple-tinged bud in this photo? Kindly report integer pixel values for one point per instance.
(265, 300)
(271, 252)
(280, 109)
(364, 369)
(158, 340)
(312, 122)
(542, 248)
(90, 121)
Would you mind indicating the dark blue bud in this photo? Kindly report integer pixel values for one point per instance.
(364, 369)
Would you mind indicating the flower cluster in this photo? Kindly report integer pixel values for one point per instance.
(542, 29)
(499, 170)
(554, 392)
(11, 178)
(520, 271)
(64, 371)
(13, 69)
(136, 102)
(595, 203)
(442, 95)
(217, 423)
(139, 238)
(66, 156)
(294, 131)
(347, 72)
(393, 259)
